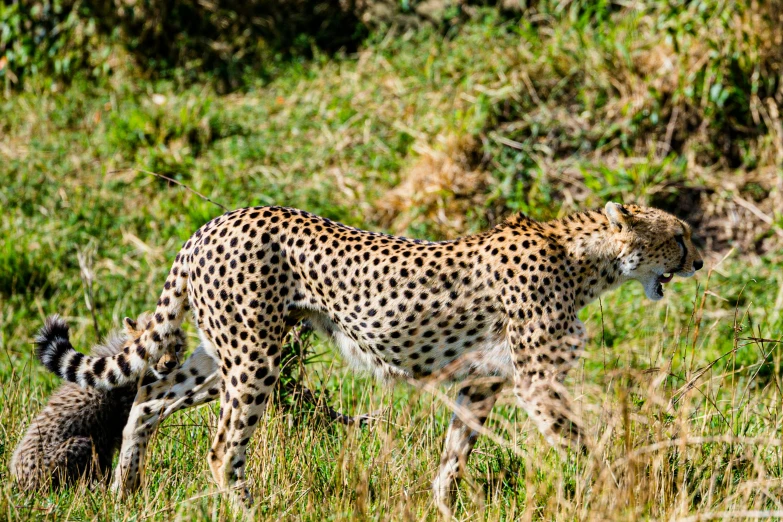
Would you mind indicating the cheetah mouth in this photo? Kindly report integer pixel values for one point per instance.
(662, 280)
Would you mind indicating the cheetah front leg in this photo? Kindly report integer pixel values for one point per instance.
(195, 383)
(542, 358)
(474, 403)
(548, 405)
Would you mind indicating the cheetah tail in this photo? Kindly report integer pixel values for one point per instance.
(159, 334)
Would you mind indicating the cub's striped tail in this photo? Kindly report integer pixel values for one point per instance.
(54, 349)
(52, 342)
(156, 337)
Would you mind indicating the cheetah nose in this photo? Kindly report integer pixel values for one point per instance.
(170, 364)
(698, 264)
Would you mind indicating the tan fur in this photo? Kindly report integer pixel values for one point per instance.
(492, 310)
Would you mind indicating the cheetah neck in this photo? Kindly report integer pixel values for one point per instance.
(595, 255)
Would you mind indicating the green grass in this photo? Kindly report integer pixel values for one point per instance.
(560, 112)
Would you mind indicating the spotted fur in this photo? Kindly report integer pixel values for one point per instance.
(493, 309)
(80, 429)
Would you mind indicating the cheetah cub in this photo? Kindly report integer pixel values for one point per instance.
(80, 429)
(488, 310)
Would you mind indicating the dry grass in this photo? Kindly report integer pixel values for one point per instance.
(438, 189)
(677, 437)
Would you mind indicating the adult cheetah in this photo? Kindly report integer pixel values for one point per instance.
(79, 429)
(501, 304)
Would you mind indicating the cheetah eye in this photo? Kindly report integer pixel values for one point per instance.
(680, 241)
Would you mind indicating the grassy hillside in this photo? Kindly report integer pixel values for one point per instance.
(433, 133)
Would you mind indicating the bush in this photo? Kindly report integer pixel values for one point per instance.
(50, 38)
(225, 39)
(60, 38)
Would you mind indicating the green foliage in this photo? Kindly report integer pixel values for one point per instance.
(565, 109)
(225, 39)
(50, 39)
(22, 269)
(601, 81)
(57, 39)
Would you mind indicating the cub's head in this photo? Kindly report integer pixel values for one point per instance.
(655, 246)
(118, 340)
(175, 342)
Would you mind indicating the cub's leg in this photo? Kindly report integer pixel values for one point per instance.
(71, 460)
(248, 379)
(475, 402)
(195, 383)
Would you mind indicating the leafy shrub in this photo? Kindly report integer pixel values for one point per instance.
(59, 38)
(53, 38)
(226, 38)
(186, 39)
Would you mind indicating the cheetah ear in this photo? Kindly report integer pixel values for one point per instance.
(619, 217)
(130, 324)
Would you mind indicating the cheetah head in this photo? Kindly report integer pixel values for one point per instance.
(654, 246)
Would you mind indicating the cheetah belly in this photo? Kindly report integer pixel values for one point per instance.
(358, 356)
(490, 356)
(494, 358)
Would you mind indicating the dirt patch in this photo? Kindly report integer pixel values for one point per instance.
(439, 193)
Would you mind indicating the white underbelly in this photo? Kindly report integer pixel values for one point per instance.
(490, 357)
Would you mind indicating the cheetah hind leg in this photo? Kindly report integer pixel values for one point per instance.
(195, 383)
(248, 385)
